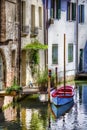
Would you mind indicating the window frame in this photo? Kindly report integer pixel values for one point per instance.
(55, 9)
(81, 13)
(54, 54)
(71, 11)
(70, 53)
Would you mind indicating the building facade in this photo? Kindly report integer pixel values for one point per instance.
(32, 29)
(8, 42)
(63, 19)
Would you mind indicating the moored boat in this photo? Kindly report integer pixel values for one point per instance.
(62, 95)
(60, 111)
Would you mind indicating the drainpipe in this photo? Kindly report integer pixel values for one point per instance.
(76, 62)
(19, 43)
(46, 29)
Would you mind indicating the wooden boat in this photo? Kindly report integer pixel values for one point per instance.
(64, 94)
(60, 111)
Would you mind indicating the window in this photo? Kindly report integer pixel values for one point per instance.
(40, 17)
(55, 54)
(70, 52)
(55, 11)
(32, 16)
(71, 11)
(81, 13)
(13, 58)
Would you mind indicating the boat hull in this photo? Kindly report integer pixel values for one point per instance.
(61, 101)
(60, 111)
(62, 96)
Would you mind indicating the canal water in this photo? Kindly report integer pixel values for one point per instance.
(31, 114)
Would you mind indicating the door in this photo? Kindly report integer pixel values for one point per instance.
(1, 73)
(85, 58)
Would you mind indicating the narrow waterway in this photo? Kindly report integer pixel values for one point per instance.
(31, 114)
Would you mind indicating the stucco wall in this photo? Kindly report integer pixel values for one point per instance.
(56, 36)
(27, 39)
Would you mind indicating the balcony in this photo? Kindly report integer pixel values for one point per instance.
(34, 31)
(25, 31)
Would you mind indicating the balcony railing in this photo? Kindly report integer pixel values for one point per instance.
(25, 30)
(34, 31)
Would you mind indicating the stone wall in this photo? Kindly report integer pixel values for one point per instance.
(2, 21)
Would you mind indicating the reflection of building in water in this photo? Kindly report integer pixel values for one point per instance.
(23, 118)
(1, 102)
(7, 100)
(10, 113)
(84, 94)
(28, 117)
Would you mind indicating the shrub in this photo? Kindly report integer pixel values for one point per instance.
(42, 80)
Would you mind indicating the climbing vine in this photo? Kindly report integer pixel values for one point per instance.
(33, 49)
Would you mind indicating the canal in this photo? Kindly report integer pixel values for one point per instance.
(31, 114)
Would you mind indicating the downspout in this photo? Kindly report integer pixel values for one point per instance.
(76, 61)
(46, 29)
(19, 43)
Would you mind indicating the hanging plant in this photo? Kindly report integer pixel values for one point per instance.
(34, 56)
(35, 45)
(33, 49)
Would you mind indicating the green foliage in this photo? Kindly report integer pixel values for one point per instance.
(36, 122)
(14, 87)
(34, 56)
(35, 45)
(42, 80)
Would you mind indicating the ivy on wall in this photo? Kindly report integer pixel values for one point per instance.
(33, 49)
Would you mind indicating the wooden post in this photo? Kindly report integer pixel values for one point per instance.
(64, 61)
(49, 82)
(56, 70)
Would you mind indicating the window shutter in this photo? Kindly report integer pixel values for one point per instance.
(81, 13)
(82, 8)
(73, 11)
(58, 9)
(68, 10)
(51, 9)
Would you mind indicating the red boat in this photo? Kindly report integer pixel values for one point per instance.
(62, 95)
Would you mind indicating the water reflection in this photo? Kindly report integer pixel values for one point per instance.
(30, 114)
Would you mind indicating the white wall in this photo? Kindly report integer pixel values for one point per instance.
(56, 36)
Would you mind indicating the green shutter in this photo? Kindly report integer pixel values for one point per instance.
(70, 53)
(55, 54)
(58, 9)
(73, 11)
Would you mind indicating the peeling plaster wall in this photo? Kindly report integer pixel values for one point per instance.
(40, 36)
(10, 43)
